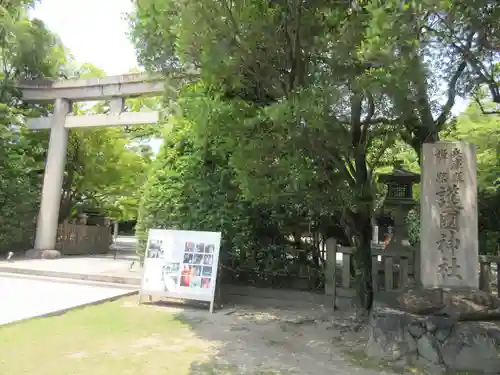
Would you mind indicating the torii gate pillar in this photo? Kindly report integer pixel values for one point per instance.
(62, 94)
(48, 218)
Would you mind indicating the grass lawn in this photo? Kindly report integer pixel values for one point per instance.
(116, 338)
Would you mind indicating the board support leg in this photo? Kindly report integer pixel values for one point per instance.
(211, 309)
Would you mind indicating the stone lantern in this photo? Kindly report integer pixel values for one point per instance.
(399, 201)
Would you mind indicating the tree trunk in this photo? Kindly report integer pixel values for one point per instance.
(364, 260)
(424, 135)
(362, 186)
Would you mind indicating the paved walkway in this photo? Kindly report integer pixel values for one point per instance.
(23, 298)
(124, 268)
(94, 268)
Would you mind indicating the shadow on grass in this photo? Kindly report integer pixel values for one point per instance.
(256, 336)
(232, 353)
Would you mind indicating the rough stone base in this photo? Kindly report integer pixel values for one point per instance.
(42, 254)
(461, 304)
(444, 338)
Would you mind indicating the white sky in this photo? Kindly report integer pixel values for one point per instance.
(93, 30)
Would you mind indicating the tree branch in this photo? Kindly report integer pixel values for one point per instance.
(383, 121)
(346, 167)
(452, 93)
(483, 110)
(230, 14)
(381, 151)
(371, 108)
(365, 126)
(342, 164)
(479, 69)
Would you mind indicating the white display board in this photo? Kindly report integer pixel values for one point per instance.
(181, 264)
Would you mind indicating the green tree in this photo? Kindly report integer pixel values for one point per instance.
(191, 188)
(104, 171)
(308, 102)
(105, 167)
(433, 51)
(27, 50)
(484, 132)
(286, 86)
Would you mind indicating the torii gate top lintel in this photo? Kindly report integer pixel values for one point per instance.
(121, 86)
(113, 88)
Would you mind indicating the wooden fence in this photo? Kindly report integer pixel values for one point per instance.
(81, 239)
(392, 271)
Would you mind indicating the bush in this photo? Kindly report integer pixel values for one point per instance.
(190, 189)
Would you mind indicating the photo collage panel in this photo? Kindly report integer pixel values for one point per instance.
(197, 265)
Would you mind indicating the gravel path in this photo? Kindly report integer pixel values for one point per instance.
(272, 340)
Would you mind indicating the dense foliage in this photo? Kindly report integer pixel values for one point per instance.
(306, 101)
(105, 167)
(484, 131)
(192, 186)
(27, 50)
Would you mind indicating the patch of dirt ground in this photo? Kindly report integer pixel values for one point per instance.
(246, 340)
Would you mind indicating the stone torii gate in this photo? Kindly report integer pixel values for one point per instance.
(63, 93)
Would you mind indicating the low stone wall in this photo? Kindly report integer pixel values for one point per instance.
(434, 342)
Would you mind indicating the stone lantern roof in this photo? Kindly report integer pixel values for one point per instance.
(399, 185)
(399, 175)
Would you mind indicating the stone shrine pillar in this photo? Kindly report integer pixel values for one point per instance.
(115, 230)
(330, 271)
(48, 218)
(449, 226)
(375, 235)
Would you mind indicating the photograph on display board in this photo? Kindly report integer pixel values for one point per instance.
(200, 247)
(155, 249)
(209, 249)
(208, 260)
(187, 274)
(170, 276)
(195, 282)
(196, 270)
(206, 272)
(198, 259)
(206, 282)
(189, 247)
(188, 258)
